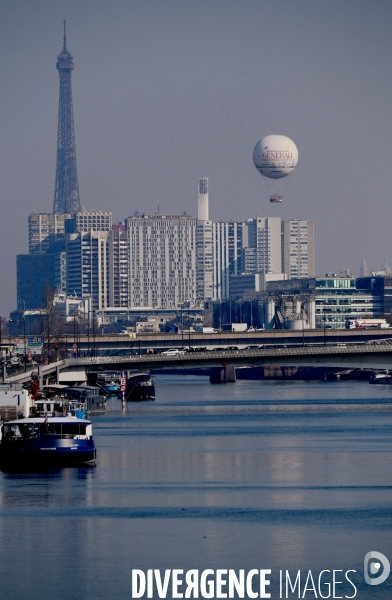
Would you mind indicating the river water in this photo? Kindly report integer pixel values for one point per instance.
(252, 475)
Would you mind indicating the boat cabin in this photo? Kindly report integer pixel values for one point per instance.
(60, 429)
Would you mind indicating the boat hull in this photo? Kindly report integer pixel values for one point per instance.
(139, 387)
(49, 441)
(45, 450)
(139, 394)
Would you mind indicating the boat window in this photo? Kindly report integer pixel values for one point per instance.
(74, 429)
(66, 428)
(22, 430)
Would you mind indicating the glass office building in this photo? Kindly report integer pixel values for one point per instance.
(339, 299)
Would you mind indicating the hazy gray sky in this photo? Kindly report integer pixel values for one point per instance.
(165, 91)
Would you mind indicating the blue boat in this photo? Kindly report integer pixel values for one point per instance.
(111, 387)
(109, 383)
(47, 441)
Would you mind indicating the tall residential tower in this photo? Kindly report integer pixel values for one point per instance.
(298, 248)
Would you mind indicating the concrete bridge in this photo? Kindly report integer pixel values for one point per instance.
(375, 355)
(46, 372)
(371, 356)
(106, 344)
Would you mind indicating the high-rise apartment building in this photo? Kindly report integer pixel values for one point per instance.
(89, 220)
(44, 230)
(205, 261)
(249, 261)
(35, 272)
(47, 235)
(227, 256)
(118, 268)
(45, 264)
(88, 267)
(264, 235)
(162, 260)
(298, 248)
(219, 256)
(275, 246)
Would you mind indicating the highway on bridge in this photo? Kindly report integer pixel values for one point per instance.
(350, 356)
(376, 355)
(106, 344)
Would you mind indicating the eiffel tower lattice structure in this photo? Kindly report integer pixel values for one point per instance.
(66, 194)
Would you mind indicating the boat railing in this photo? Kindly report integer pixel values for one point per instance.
(48, 435)
(65, 436)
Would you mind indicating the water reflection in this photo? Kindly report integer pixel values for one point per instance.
(45, 487)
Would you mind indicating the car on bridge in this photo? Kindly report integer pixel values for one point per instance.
(196, 349)
(173, 351)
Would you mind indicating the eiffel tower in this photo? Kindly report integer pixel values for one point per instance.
(66, 193)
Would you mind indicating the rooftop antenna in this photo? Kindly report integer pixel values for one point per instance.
(158, 206)
(65, 34)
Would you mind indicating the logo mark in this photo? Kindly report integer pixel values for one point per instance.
(373, 563)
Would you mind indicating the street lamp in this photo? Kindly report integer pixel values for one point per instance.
(94, 349)
(91, 312)
(76, 337)
(88, 333)
(182, 326)
(74, 329)
(189, 329)
(48, 350)
(64, 333)
(25, 349)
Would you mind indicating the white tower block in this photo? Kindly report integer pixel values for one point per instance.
(202, 199)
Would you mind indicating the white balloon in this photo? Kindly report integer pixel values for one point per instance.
(275, 156)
